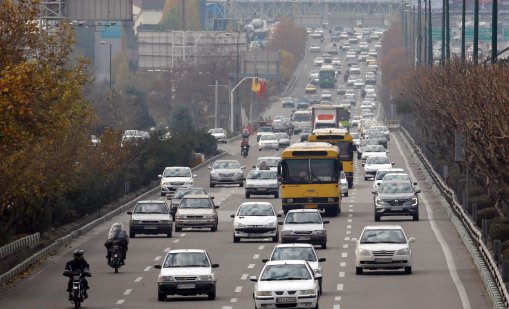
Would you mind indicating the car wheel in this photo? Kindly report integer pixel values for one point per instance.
(236, 239)
(132, 235)
(169, 234)
(212, 185)
(275, 238)
(276, 195)
(334, 212)
(359, 270)
(161, 296)
(346, 194)
(408, 270)
(320, 286)
(358, 155)
(365, 178)
(241, 184)
(212, 295)
(248, 195)
(163, 194)
(178, 229)
(324, 246)
(377, 217)
(214, 228)
(416, 217)
(317, 305)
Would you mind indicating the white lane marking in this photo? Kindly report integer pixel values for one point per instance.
(337, 306)
(147, 268)
(238, 289)
(251, 266)
(182, 234)
(157, 258)
(451, 264)
(340, 287)
(167, 249)
(256, 257)
(348, 226)
(176, 241)
(342, 264)
(344, 254)
(138, 279)
(341, 274)
(337, 298)
(350, 215)
(347, 238)
(348, 232)
(120, 301)
(233, 300)
(349, 220)
(350, 206)
(345, 246)
(244, 276)
(350, 210)
(128, 291)
(226, 307)
(353, 200)
(261, 247)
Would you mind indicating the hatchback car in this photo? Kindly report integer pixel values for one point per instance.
(288, 102)
(219, 134)
(270, 162)
(175, 177)
(255, 220)
(150, 217)
(179, 194)
(380, 174)
(262, 182)
(186, 272)
(310, 88)
(383, 247)
(268, 141)
(396, 198)
(344, 183)
(326, 95)
(374, 163)
(304, 226)
(373, 151)
(286, 284)
(283, 139)
(262, 131)
(305, 134)
(304, 252)
(196, 211)
(226, 172)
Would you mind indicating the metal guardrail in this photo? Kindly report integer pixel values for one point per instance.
(29, 241)
(500, 296)
(59, 243)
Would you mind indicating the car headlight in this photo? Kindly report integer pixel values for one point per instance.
(211, 216)
(287, 232)
(240, 224)
(165, 279)
(307, 292)
(272, 224)
(263, 293)
(380, 203)
(415, 201)
(165, 183)
(214, 174)
(180, 216)
(205, 278)
(404, 251)
(364, 252)
(319, 232)
(164, 221)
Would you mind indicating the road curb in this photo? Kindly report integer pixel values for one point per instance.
(10, 275)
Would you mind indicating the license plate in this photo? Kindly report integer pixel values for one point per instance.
(262, 189)
(254, 235)
(304, 238)
(186, 286)
(149, 227)
(284, 300)
(383, 260)
(397, 208)
(194, 222)
(311, 206)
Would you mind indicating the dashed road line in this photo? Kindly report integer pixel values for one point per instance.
(345, 246)
(147, 268)
(176, 241)
(244, 276)
(344, 254)
(348, 226)
(128, 291)
(226, 307)
(256, 257)
(342, 264)
(238, 289)
(348, 232)
(347, 238)
(233, 300)
(341, 274)
(340, 287)
(261, 247)
(350, 215)
(337, 306)
(349, 221)
(182, 234)
(120, 301)
(157, 258)
(337, 298)
(138, 279)
(167, 249)
(251, 266)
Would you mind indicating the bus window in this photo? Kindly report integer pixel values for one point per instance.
(323, 170)
(345, 151)
(297, 171)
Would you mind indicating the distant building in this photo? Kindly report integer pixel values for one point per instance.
(147, 12)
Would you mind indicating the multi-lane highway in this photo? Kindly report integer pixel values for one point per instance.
(444, 275)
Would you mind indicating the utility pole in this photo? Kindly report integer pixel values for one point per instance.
(419, 32)
(183, 2)
(442, 58)
(494, 27)
(430, 37)
(463, 51)
(425, 60)
(476, 31)
(447, 32)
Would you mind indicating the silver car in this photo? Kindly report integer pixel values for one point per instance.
(226, 172)
(262, 182)
(196, 211)
(283, 139)
(344, 184)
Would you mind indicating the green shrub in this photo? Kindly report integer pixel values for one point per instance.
(499, 231)
(489, 214)
(482, 201)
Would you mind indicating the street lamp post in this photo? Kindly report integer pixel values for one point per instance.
(232, 119)
(106, 43)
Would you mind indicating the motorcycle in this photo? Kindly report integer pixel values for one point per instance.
(78, 290)
(290, 132)
(116, 258)
(244, 151)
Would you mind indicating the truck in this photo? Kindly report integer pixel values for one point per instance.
(328, 116)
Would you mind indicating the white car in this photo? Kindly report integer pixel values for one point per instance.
(326, 95)
(150, 217)
(175, 177)
(383, 247)
(356, 139)
(186, 272)
(373, 151)
(350, 82)
(271, 162)
(344, 184)
(304, 226)
(219, 134)
(315, 48)
(358, 84)
(283, 139)
(255, 220)
(263, 182)
(380, 174)
(288, 283)
(375, 163)
(318, 61)
(355, 121)
(304, 252)
(262, 131)
(268, 141)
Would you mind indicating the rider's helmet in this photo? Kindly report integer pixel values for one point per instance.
(78, 253)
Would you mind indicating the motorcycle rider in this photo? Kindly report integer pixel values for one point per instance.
(117, 236)
(244, 145)
(78, 264)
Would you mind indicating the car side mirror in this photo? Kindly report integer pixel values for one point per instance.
(243, 167)
(322, 259)
(411, 240)
(415, 183)
(254, 166)
(265, 260)
(157, 266)
(326, 222)
(209, 167)
(318, 276)
(280, 223)
(129, 212)
(393, 163)
(354, 240)
(418, 191)
(214, 265)
(216, 206)
(232, 216)
(374, 191)
(279, 215)
(253, 278)
(194, 175)
(363, 163)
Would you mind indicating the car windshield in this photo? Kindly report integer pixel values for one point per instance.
(303, 218)
(268, 137)
(301, 117)
(281, 135)
(285, 272)
(381, 174)
(294, 253)
(150, 208)
(396, 177)
(265, 129)
(217, 131)
(195, 203)
(378, 160)
(390, 236)
(391, 188)
(181, 192)
(256, 209)
(186, 259)
(374, 148)
(263, 174)
(177, 172)
(270, 162)
(310, 171)
(227, 165)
